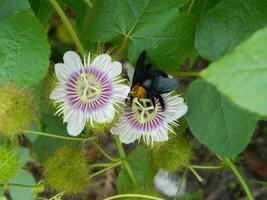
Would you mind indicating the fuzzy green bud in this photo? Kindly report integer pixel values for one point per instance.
(17, 110)
(9, 163)
(67, 170)
(173, 155)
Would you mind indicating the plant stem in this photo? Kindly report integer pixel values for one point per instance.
(238, 175)
(89, 3)
(18, 185)
(199, 178)
(100, 165)
(133, 195)
(125, 164)
(59, 136)
(106, 169)
(103, 152)
(183, 178)
(68, 25)
(206, 167)
(179, 73)
(190, 7)
(120, 148)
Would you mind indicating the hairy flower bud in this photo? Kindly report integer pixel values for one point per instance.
(67, 170)
(9, 163)
(172, 155)
(17, 110)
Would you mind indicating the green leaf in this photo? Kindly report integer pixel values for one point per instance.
(157, 26)
(8, 7)
(44, 146)
(139, 161)
(242, 75)
(228, 24)
(216, 122)
(42, 9)
(23, 154)
(24, 49)
(200, 7)
(18, 193)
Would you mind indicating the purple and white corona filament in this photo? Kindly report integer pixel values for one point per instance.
(143, 120)
(87, 92)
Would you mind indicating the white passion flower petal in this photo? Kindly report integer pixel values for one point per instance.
(88, 92)
(113, 69)
(144, 121)
(72, 60)
(76, 123)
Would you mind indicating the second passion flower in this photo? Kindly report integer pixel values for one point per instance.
(152, 123)
(87, 92)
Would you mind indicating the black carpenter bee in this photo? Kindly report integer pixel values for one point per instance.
(150, 83)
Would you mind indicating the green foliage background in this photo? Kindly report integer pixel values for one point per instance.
(225, 102)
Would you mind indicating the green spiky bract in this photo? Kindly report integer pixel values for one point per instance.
(9, 163)
(17, 110)
(101, 128)
(172, 155)
(67, 170)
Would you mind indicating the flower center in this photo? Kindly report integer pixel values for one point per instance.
(87, 87)
(144, 109)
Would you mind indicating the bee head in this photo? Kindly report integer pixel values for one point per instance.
(138, 91)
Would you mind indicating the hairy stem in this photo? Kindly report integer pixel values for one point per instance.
(59, 136)
(104, 152)
(199, 178)
(206, 167)
(89, 3)
(190, 6)
(106, 169)
(133, 196)
(240, 178)
(68, 26)
(125, 164)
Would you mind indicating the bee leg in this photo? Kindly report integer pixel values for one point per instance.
(161, 101)
(153, 102)
(129, 100)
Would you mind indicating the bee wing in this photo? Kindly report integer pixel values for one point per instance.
(140, 69)
(162, 85)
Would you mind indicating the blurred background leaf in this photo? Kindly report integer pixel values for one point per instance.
(228, 24)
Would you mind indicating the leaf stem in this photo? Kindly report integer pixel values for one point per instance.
(125, 164)
(199, 178)
(106, 169)
(190, 7)
(59, 136)
(133, 195)
(104, 152)
(89, 3)
(238, 175)
(68, 26)
(100, 165)
(206, 167)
